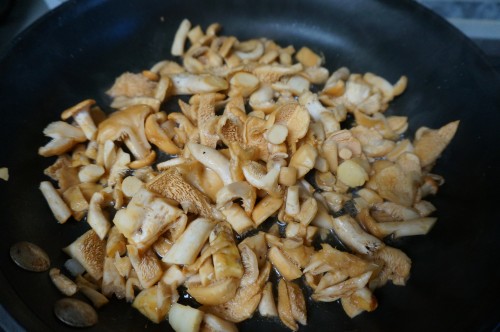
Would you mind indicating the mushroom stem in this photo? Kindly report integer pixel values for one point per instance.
(212, 159)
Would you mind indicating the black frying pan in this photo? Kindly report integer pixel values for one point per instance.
(76, 51)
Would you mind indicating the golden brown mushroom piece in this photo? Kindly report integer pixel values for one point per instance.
(127, 125)
(429, 143)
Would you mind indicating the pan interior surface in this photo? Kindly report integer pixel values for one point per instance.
(76, 52)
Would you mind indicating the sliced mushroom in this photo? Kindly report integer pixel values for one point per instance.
(189, 245)
(157, 136)
(395, 266)
(212, 159)
(81, 114)
(237, 190)
(429, 144)
(350, 233)
(89, 251)
(257, 175)
(189, 84)
(172, 185)
(128, 125)
(146, 265)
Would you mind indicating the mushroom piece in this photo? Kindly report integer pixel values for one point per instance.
(172, 185)
(237, 190)
(226, 259)
(359, 301)
(157, 136)
(146, 217)
(238, 218)
(64, 138)
(212, 323)
(189, 84)
(249, 50)
(81, 114)
(256, 175)
(420, 226)
(184, 318)
(147, 266)
(112, 281)
(395, 266)
(96, 218)
(429, 144)
(350, 233)
(345, 288)
(89, 251)
(304, 159)
(128, 125)
(218, 292)
(56, 204)
(154, 303)
(388, 211)
(296, 118)
(244, 303)
(212, 159)
(267, 306)
(180, 38)
(63, 283)
(190, 243)
(285, 266)
(393, 184)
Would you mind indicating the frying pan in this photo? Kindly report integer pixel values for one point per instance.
(76, 51)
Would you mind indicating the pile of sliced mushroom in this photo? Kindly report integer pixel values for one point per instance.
(243, 181)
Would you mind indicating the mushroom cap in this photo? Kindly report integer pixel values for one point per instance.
(81, 106)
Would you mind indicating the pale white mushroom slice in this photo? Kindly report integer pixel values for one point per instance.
(81, 114)
(146, 217)
(183, 318)
(296, 118)
(424, 208)
(89, 251)
(212, 159)
(257, 175)
(351, 234)
(56, 204)
(388, 211)
(249, 50)
(238, 218)
(189, 84)
(97, 299)
(429, 143)
(267, 306)
(190, 243)
(285, 266)
(4, 173)
(243, 84)
(180, 38)
(64, 284)
(352, 173)
(96, 218)
(212, 323)
(420, 226)
(345, 288)
(304, 159)
(154, 302)
(112, 281)
(237, 190)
